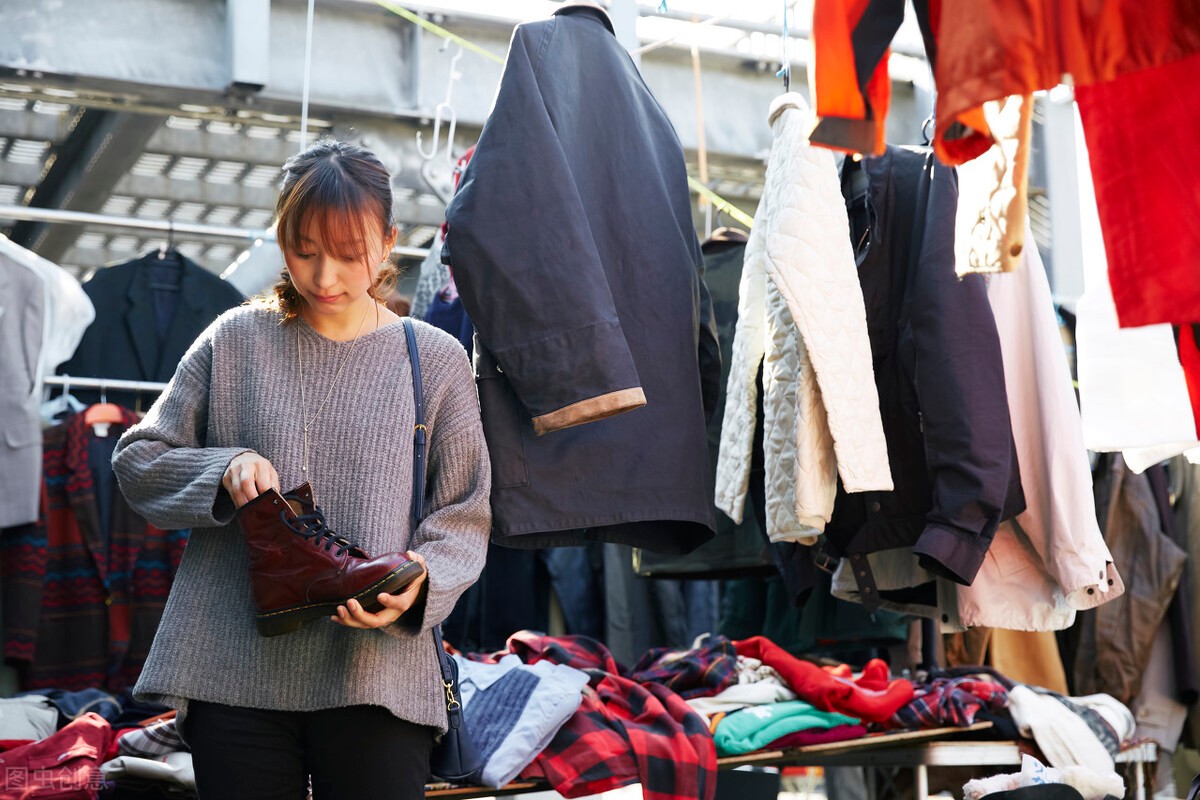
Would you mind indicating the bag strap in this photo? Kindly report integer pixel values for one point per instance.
(420, 444)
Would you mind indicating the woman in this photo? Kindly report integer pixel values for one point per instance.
(312, 386)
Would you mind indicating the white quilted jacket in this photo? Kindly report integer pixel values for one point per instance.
(801, 315)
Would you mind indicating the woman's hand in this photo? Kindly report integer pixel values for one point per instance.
(248, 476)
(352, 614)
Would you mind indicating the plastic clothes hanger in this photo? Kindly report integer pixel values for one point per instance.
(103, 412)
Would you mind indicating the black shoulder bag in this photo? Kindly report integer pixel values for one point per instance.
(455, 757)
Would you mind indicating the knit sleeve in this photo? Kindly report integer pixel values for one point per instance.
(453, 536)
(163, 468)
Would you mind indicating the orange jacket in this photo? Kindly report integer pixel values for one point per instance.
(985, 50)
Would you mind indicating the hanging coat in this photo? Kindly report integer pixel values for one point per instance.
(573, 248)
(801, 309)
(940, 377)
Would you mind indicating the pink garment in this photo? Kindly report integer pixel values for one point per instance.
(838, 733)
(1051, 560)
(63, 766)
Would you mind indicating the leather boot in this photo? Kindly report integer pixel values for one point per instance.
(300, 570)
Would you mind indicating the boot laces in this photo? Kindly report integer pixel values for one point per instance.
(314, 528)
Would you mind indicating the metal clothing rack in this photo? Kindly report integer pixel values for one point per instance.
(66, 381)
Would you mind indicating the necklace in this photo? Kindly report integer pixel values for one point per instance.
(305, 420)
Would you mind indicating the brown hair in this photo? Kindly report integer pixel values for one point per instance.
(336, 185)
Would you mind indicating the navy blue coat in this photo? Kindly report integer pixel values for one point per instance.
(573, 247)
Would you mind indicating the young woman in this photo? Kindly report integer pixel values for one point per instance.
(312, 385)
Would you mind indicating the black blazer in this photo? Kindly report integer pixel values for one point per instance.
(123, 342)
(574, 252)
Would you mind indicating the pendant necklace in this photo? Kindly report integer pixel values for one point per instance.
(305, 420)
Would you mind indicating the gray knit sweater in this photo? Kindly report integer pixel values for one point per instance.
(237, 389)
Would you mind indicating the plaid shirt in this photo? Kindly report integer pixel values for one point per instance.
(703, 671)
(623, 732)
(950, 702)
(81, 607)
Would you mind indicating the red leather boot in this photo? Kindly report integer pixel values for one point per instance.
(300, 570)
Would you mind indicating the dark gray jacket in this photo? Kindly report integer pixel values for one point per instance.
(573, 247)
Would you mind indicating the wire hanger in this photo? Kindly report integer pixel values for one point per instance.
(785, 70)
(167, 246)
(444, 112)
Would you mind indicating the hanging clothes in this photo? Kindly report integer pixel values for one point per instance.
(1052, 561)
(822, 413)
(142, 331)
(43, 313)
(940, 377)
(1149, 425)
(578, 263)
(1115, 639)
(739, 549)
(85, 588)
(432, 276)
(979, 52)
(1147, 204)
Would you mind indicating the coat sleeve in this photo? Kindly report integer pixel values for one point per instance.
(962, 397)
(526, 266)
(163, 468)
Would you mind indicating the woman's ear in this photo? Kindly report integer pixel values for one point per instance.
(389, 240)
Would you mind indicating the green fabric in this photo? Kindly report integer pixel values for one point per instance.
(756, 727)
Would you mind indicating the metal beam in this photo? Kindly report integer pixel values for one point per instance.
(248, 33)
(101, 147)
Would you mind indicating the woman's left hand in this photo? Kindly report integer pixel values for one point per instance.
(352, 614)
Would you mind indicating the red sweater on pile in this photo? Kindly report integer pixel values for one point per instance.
(871, 697)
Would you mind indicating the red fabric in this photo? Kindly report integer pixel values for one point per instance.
(839, 733)
(63, 766)
(12, 744)
(873, 697)
(1141, 136)
(623, 732)
(1189, 356)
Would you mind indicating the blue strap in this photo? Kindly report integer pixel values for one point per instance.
(420, 432)
(420, 444)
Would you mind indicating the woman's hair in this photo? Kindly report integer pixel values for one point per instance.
(339, 187)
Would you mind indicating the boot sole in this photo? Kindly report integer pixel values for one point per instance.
(287, 620)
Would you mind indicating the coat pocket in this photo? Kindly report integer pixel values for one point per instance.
(502, 427)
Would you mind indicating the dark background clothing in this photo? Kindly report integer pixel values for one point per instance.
(579, 265)
(939, 373)
(738, 550)
(141, 332)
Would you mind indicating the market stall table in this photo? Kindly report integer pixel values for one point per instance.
(916, 750)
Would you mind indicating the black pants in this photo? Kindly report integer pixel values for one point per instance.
(354, 753)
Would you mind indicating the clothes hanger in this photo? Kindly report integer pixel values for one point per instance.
(104, 412)
(443, 113)
(53, 410)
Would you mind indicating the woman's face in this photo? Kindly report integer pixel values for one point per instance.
(334, 276)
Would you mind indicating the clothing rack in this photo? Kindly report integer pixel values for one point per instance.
(67, 381)
(251, 235)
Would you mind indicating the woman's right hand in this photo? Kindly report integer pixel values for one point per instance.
(247, 476)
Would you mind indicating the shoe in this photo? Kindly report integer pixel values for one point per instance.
(300, 570)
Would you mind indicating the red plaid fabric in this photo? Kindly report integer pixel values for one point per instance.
(950, 701)
(703, 671)
(623, 733)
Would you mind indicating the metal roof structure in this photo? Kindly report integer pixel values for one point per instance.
(185, 110)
